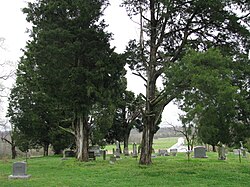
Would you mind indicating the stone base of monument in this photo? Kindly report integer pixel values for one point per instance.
(19, 176)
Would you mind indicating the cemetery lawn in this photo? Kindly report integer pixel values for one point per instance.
(165, 171)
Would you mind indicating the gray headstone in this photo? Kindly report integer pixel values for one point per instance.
(163, 152)
(117, 153)
(126, 152)
(96, 150)
(19, 171)
(173, 152)
(237, 151)
(222, 152)
(200, 152)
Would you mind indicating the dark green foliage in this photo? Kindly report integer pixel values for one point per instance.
(168, 30)
(75, 74)
(211, 99)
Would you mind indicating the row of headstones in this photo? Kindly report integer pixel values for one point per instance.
(199, 152)
(19, 169)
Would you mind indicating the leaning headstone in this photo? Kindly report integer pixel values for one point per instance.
(200, 152)
(19, 171)
(222, 152)
(134, 154)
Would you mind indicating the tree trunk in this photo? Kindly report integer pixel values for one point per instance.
(13, 151)
(46, 149)
(146, 146)
(214, 148)
(150, 112)
(125, 138)
(81, 138)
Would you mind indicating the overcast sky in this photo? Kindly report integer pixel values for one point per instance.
(13, 29)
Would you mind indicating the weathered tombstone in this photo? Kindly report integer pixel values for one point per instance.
(236, 151)
(163, 152)
(126, 152)
(112, 159)
(96, 150)
(68, 153)
(117, 147)
(173, 152)
(221, 152)
(134, 154)
(19, 171)
(117, 154)
(200, 152)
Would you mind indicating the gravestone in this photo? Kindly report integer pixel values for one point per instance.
(222, 152)
(112, 159)
(237, 151)
(163, 152)
(19, 171)
(200, 152)
(69, 153)
(126, 152)
(134, 153)
(173, 152)
(243, 150)
(96, 150)
(117, 154)
(244, 153)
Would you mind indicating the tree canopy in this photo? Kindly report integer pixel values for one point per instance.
(168, 30)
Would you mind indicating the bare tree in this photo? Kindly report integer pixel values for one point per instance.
(189, 131)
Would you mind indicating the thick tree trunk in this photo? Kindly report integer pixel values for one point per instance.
(150, 112)
(146, 146)
(81, 137)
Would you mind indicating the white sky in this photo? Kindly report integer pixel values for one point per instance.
(13, 27)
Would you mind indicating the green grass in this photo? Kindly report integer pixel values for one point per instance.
(165, 171)
(163, 143)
